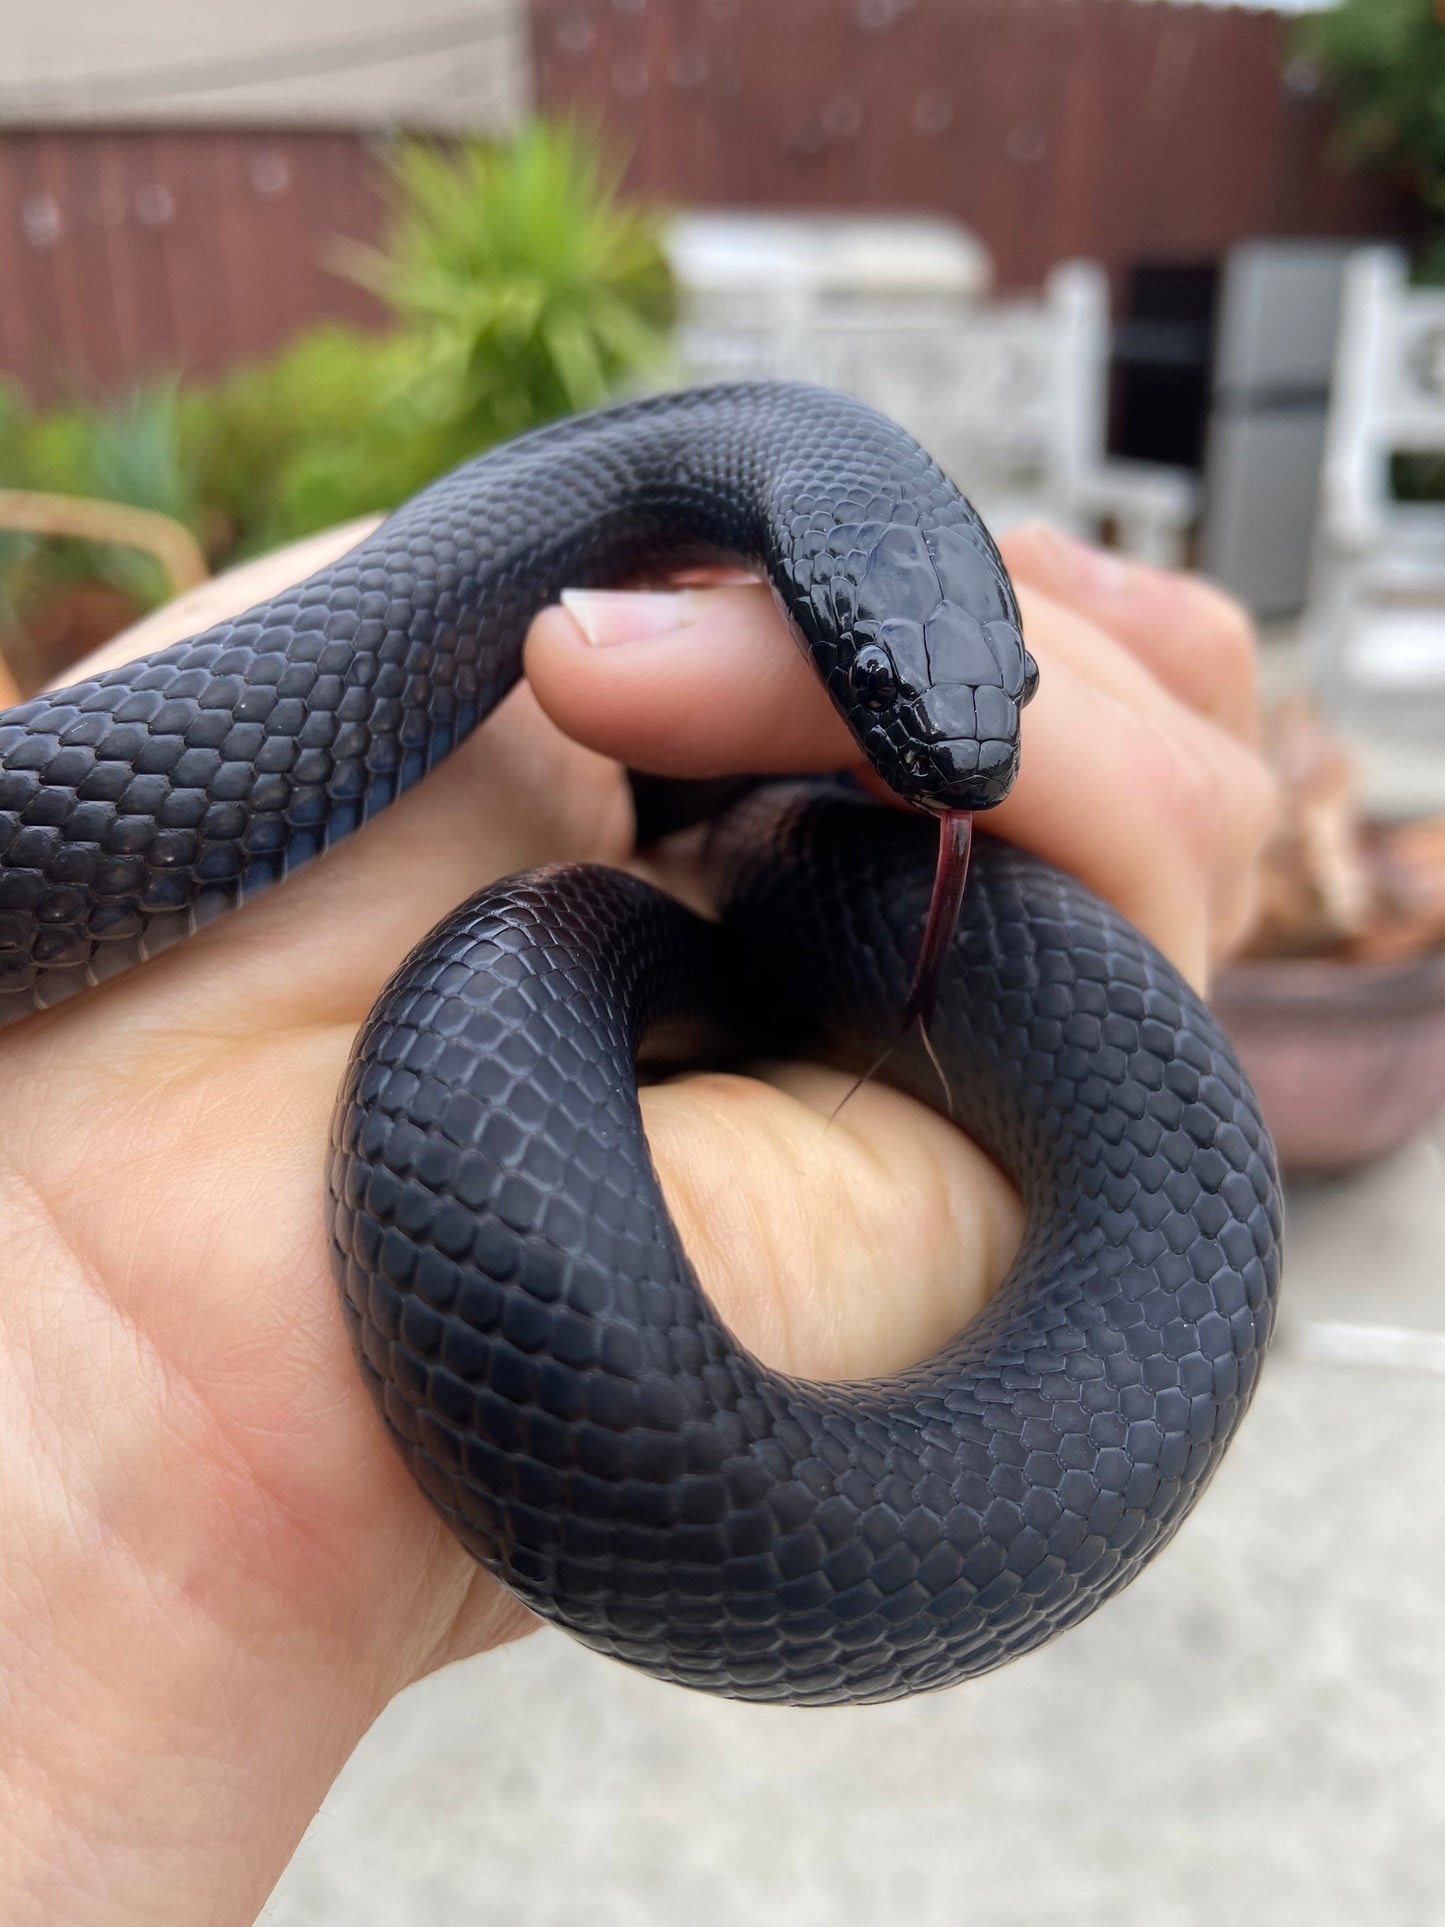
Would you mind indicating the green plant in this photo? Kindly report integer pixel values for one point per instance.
(523, 288)
(531, 289)
(130, 451)
(315, 435)
(1386, 59)
(15, 550)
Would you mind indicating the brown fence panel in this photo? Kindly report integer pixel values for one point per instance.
(124, 255)
(1050, 127)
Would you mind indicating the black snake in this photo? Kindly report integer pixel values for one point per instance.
(517, 1296)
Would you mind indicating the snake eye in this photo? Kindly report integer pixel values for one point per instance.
(871, 678)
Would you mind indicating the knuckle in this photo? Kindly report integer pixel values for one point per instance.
(1214, 804)
(1229, 630)
(1251, 795)
(1185, 792)
(1258, 800)
(1033, 553)
(1026, 538)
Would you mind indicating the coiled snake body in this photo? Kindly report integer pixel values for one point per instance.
(517, 1296)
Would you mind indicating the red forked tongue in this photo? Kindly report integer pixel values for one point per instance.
(955, 841)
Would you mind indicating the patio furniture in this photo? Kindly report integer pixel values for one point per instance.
(1375, 627)
(1276, 337)
(81, 517)
(1011, 396)
(24, 661)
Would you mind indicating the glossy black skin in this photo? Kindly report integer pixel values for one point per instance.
(515, 1291)
(595, 1435)
(139, 805)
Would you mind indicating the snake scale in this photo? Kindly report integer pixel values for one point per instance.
(517, 1296)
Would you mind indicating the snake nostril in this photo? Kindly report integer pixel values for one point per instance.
(872, 679)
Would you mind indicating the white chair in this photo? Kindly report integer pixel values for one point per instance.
(763, 295)
(1375, 625)
(1011, 397)
(1049, 408)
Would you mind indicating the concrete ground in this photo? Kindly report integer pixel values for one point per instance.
(1254, 1734)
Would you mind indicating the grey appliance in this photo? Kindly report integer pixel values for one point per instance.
(1274, 347)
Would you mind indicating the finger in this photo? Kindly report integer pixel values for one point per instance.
(1228, 835)
(710, 682)
(1198, 641)
(743, 1165)
(1155, 807)
(691, 682)
(1158, 811)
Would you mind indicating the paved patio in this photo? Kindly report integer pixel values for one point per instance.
(1251, 1734)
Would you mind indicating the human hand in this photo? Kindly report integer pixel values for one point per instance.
(219, 1571)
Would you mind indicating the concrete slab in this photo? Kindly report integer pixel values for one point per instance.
(1251, 1734)
(1370, 1250)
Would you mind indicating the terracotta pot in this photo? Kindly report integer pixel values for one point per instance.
(1348, 1059)
(65, 627)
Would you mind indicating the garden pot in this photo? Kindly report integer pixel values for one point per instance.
(1348, 1058)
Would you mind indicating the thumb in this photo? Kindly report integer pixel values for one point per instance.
(685, 682)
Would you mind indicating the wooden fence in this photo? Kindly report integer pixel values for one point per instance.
(1110, 128)
(124, 255)
(1107, 128)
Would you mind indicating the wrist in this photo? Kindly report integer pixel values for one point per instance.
(190, 1648)
(169, 1783)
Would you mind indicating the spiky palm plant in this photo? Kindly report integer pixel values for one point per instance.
(1386, 60)
(533, 289)
(524, 288)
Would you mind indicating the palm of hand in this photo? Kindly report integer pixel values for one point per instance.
(167, 1162)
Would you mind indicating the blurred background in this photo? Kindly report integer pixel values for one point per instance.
(1170, 274)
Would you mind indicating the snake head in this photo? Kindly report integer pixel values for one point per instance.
(931, 671)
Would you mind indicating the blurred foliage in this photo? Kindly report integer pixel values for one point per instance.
(132, 451)
(1386, 61)
(522, 288)
(531, 288)
(316, 435)
(1417, 476)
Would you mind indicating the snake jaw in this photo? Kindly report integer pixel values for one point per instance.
(1031, 680)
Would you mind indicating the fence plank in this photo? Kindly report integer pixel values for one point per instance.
(1050, 127)
(126, 255)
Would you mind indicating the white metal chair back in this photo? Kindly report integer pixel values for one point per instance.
(1388, 395)
(1376, 620)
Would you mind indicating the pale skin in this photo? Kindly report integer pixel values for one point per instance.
(214, 1571)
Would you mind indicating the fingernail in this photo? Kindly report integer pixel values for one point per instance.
(608, 616)
(1093, 571)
